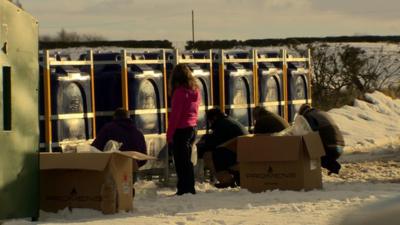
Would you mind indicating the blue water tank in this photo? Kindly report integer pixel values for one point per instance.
(146, 99)
(238, 80)
(270, 84)
(145, 90)
(298, 84)
(71, 105)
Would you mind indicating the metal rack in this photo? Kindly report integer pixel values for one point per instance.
(47, 64)
(284, 58)
(125, 60)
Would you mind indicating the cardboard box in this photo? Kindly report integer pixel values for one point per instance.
(279, 162)
(101, 181)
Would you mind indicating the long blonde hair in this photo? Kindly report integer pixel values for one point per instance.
(181, 76)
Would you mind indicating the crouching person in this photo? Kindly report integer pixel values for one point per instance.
(221, 160)
(122, 129)
(266, 122)
(331, 137)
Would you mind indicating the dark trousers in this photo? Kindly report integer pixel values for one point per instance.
(182, 148)
(329, 160)
(223, 159)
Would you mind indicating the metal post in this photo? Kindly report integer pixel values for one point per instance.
(166, 161)
(92, 87)
(221, 81)
(310, 77)
(255, 77)
(124, 80)
(165, 87)
(285, 85)
(177, 57)
(47, 102)
(211, 79)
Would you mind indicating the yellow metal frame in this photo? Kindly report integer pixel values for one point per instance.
(125, 62)
(47, 64)
(310, 77)
(92, 91)
(285, 85)
(165, 87)
(47, 101)
(286, 59)
(255, 77)
(124, 81)
(222, 81)
(211, 78)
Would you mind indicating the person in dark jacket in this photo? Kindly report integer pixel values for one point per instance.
(122, 129)
(223, 129)
(266, 122)
(331, 137)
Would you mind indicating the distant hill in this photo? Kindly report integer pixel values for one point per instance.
(227, 44)
(93, 44)
(219, 44)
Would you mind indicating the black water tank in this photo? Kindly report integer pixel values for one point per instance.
(298, 84)
(270, 84)
(71, 105)
(145, 93)
(203, 76)
(146, 99)
(238, 80)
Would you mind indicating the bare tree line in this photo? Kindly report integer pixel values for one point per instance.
(70, 36)
(343, 72)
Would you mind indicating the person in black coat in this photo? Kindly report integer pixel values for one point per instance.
(266, 122)
(122, 129)
(218, 158)
(331, 137)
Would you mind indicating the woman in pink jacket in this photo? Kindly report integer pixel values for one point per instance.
(182, 124)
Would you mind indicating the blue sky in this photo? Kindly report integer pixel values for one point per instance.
(217, 19)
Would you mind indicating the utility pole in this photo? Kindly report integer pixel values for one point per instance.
(193, 29)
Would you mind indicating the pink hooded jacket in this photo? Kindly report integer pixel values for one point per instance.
(184, 110)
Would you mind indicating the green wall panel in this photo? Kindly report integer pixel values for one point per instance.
(19, 132)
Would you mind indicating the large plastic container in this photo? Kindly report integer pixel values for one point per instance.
(145, 90)
(298, 84)
(71, 106)
(238, 84)
(270, 84)
(145, 94)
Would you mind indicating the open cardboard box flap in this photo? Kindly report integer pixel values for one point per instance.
(315, 148)
(137, 155)
(262, 147)
(84, 161)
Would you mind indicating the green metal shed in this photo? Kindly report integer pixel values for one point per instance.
(19, 123)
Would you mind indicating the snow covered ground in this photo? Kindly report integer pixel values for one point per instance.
(370, 172)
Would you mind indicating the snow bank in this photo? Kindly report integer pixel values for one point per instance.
(370, 125)
(233, 206)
